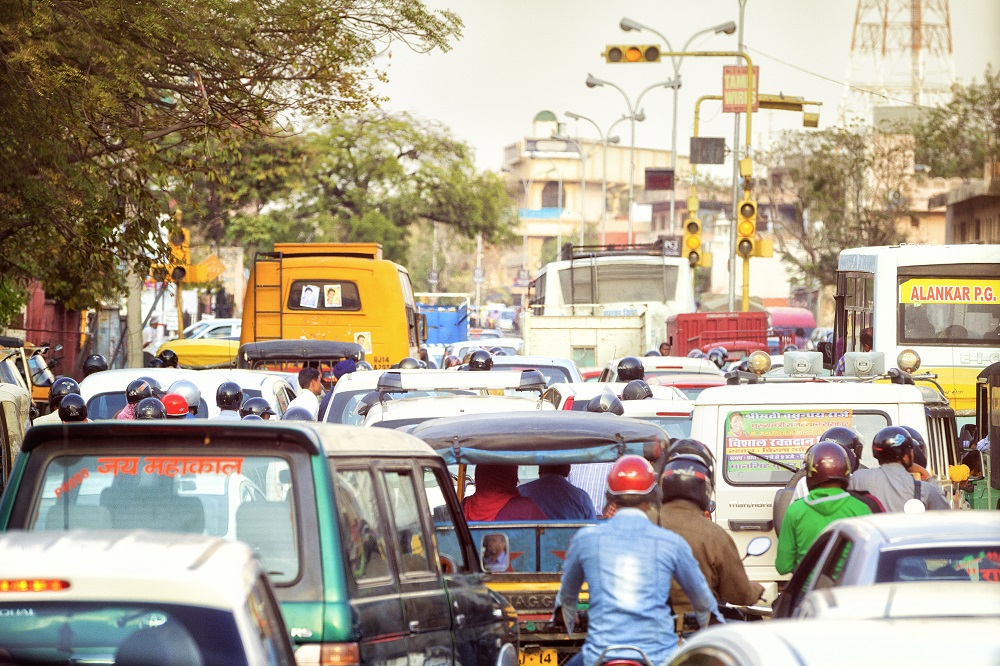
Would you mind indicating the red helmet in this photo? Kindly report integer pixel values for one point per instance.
(631, 475)
(176, 405)
(827, 461)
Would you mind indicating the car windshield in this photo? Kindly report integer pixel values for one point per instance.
(196, 329)
(974, 562)
(77, 632)
(553, 374)
(678, 427)
(245, 497)
(107, 405)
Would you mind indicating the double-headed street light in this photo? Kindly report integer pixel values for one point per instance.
(604, 166)
(727, 28)
(593, 82)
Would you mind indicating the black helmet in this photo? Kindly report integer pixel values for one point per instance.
(169, 358)
(919, 446)
(150, 408)
(155, 386)
(138, 390)
(297, 414)
(450, 361)
(827, 461)
(630, 368)
(697, 353)
(717, 355)
(653, 352)
(685, 477)
(72, 409)
(480, 360)
(229, 395)
(253, 417)
(606, 403)
(847, 438)
(61, 388)
(257, 406)
(891, 444)
(409, 363)
(691, 447)
(155, 362)
(94, 363)
(637, 389)
(497, 351)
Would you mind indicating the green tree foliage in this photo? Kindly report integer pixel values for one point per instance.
(368, 177)
(957, 139)
(845, 187)
(104, 100)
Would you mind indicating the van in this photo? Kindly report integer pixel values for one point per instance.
(333, 291)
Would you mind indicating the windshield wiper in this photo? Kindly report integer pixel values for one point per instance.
(774, 462)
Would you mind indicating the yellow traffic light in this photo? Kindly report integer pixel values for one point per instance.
(632, 53)
(746, 226)
(180, 245)
(691, 241)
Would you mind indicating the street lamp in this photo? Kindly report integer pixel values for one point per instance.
(593, 82)
(604, 166)
(583, 180)
(728, 28)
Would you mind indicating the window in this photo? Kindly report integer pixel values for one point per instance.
(585, 283)
(336, 295)
(859, 290)
(550, 195)
(835, 563)
(447, 541)
(220, 332)
(266, 620)
(972, 563)
(410, 541)
(107, 405)
(361, 526)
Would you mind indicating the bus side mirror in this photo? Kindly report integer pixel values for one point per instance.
(422, 326)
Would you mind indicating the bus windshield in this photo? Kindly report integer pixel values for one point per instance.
(585, 283)
(947, 311)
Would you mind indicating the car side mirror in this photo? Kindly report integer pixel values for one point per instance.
(758, 546)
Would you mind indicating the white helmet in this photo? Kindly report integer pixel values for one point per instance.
(189, 391)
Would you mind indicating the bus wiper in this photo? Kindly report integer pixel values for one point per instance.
(774, 462)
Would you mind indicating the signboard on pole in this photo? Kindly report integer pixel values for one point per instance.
(478, 275)
(708, 150)
(734, 88)
(659, 178)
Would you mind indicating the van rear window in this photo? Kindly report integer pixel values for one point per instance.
(337, 295)
(760, 443)
(245, 497)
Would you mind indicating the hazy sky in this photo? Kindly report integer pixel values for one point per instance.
(517, 57)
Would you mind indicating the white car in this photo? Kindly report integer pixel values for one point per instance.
(928, 598)
(671, 414)
(413, 411)
(351, 388)
(106, 597)
(214, 328)
(656, 366)
(575, 395)
(510, 346)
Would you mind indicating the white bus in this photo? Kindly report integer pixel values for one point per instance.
(943, 301)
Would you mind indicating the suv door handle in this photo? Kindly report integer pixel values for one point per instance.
(414, 625)
(460, 619)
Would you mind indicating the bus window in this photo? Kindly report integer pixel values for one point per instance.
(321, 294)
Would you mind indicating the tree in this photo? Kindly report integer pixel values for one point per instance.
(368, 177)
(957, 139)
(843, 187)
(105, 102)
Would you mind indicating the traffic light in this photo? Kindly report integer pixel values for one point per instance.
(746, 226)
(180, 246)
(632, 53)
(691, 241)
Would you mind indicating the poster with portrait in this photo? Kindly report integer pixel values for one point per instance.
(309, 297)
(365, 340)
(332, 297)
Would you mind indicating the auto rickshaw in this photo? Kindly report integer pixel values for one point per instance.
(34, 366)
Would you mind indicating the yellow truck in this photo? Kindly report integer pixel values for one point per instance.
(333, 291)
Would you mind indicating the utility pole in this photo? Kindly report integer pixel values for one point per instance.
(736, 174)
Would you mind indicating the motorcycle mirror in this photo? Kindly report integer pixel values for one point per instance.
(57, 348)
(914, 506)
(758, 546)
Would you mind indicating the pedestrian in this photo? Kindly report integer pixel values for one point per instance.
(311, 387)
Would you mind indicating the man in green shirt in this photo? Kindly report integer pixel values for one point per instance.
(827, 470)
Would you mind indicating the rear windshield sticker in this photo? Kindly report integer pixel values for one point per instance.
(72, 482)
(309, 297)
(332, 297)
(170, 465)
(779, 435)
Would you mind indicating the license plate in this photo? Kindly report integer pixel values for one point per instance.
(537, 658)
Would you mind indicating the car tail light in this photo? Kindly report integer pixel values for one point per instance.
(568, 404)
(32, 585)
(328, 654)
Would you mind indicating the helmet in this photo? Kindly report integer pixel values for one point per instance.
(175, 405)
(891, 444)
(685, 477)
(422, 364)
(138, 390)
(169, 358)
(653, 352)
(258, 406)
(409, 363)
(190, 392)
(94, 363)
(155, 362)
(158, 391)
(631, 475)
(637, 389)
(363, 365)
(847, 438)
(630, 368)
(919, 446)
(691, 447)
(606, 403)
(229, 395)
(72, 408)
(252, 417)
(480, 360)
(369, 399)
(150, 408)
(297, 414)
(827, 461)
(450, 361)
(697, 353)
(60, 388)
(497, 351)
(789, 348)
(717, 355)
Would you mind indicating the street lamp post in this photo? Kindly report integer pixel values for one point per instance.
(605, 140)
(583, 180)
(728, 28)
(593, 82)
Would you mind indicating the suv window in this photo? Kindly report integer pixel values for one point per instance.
(237, 497)
(411, 544)
(832, 574)
(443, 515)
(360, 525)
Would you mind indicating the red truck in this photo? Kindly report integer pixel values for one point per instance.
(740, 333)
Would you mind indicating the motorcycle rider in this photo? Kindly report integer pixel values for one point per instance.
(229, 399)
(190, 391)
(892, 481)
(628, 564)
(61, 387)
(94, 363)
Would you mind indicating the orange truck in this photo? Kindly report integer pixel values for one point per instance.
(333, 291)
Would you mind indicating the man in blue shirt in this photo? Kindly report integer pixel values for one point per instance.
(628, 563)
(556, 496)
